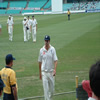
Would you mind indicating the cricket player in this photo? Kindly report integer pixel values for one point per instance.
(29, 24)
(34, 28)
(11, 17)
(25, 29)
(10, 28)
(47, 67)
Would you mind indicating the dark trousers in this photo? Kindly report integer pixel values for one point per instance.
(68, 17)
(8, 96)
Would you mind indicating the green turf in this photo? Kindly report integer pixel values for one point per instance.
(77, 44)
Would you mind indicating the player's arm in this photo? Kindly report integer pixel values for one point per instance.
(40, 75)
(55, 66)
(14, 90)
(13, 84)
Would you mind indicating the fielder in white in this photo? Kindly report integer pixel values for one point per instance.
(29, 24)
(47, 67)
(11, 17)
(10, 28)
(26, 29)
(34, 28)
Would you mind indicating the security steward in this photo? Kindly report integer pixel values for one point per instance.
(8, 76)
(68, 13)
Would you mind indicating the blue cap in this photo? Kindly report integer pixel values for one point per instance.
(47, 37)
(2, 85)
(10, 57)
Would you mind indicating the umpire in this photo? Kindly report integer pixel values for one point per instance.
(9, 78)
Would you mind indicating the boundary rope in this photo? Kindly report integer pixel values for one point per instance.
(35, 97)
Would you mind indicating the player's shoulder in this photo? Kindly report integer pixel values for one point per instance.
(42, 49)
(52, 47)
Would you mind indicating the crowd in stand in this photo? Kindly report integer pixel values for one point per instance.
(85, 5)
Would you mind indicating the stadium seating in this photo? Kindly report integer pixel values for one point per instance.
(2, 11)
(48, 4)
(37, 4)
(27, 11)
(3, 4)
(18, 4)
(67, 6)
(13, 11)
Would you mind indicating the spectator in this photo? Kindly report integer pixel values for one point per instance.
(86, 87)
(94, 76)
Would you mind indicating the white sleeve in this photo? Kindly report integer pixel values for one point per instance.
(40, 57)
(36, 21)
(54, 55)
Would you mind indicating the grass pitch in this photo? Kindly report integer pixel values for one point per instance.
(77, 44)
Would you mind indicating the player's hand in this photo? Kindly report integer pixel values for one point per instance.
(54, 72)
(40, 77)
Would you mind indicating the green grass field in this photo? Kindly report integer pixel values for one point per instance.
(77, 44)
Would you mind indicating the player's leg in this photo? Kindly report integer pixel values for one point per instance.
(28, 34)
(51, 84)
(35, 35)
(11, 35)
(45, 86)
(24, 29)
(10, 30)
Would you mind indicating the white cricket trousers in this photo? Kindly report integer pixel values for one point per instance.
(34, 34)
(48, 84)
(10, 31)
(26, 34)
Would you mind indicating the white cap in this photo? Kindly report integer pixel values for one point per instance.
(25, 18)
(9, 16)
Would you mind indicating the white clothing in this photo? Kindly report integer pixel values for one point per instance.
(90, 98)
(10, 29)
(34, 23)
(48, 85)
(10, 22)
(47, 58)
(25, 30)
(12, 18)
(34, 34)
(29, 24)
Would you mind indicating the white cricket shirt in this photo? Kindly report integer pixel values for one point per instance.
(47, 58)
(33, 23)
(10, 22)
(24, 22)
(29, 22)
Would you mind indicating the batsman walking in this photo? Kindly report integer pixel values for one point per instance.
(47, 67)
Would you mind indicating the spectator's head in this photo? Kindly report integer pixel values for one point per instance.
(9, 59)
(1, 86)
(94, 76)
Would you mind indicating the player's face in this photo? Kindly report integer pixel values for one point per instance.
(47, 42)
(10, 18)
